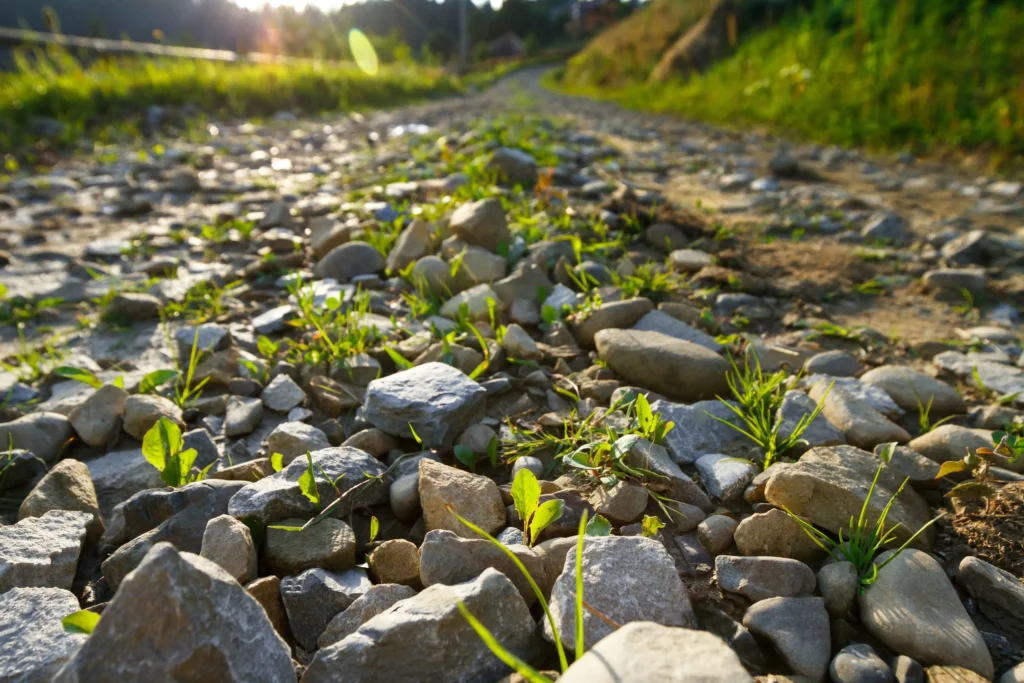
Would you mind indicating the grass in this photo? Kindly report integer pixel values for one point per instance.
(932, 75)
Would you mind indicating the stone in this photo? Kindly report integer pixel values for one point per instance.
(514, 167)
(725, 477)
(663, 323)
(279, 496)
(130, 307)
(821, 432)
(473, 497)
(446, 558)
(434, 274)
(835, 363)
(267, 592)
(376, 442)
(620, 504)
(665, 237)
(640, 453)
(97, 420)
(42, 434)
(375, 600)
(798, 629)
(913, 609)
(859, 663)
(395, 561)
(33, 643)
(528, 462)
(314, 597)
(885, 226)
(838, 585)
(479, 265)
(473, 301)
(401, 644)
(612, 315)
(860, 423)
(760, 578)
(206, 337)
(42, 552)
(243, 416)
(775, 534)
(678, 369)
(697, 433)
(404, 496)
(912, 390)
(142, 411)
(906, 670)
(998, 594)
(950, 442)
(689, 260)
(817, 385)
(827, 487)
(525, 283)
(148, 630)
(413, 243)
(952, 674)
(293, 439)
(349, 260)
(67, 486)
(519, 344)
(643, 652)
(329, 544)
(956, 279)
(610, 563)
(1014, 675)
(716, 533)
(283, 394)
(437, 400)
(481, 223)
(228, 544)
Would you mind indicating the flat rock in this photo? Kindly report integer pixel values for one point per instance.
(349, 260)
(999, 594)
(835, 363)
(798, 628)
(697, 433)
(760, 578)
(33, 644)
(911, 389)
(657, 321)
(119, 475)
(42, 551)
(474, 497)
(775, 534)
(446, 558)
(950, 442)
(860, 423)
(329, 544)
(859, 663)
(611, 315)
(795, 406)
(141, 411)
(282, 394)
(641, 453)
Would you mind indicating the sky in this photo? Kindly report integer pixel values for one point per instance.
(326, 5)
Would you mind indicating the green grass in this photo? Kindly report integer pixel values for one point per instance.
(931, 75)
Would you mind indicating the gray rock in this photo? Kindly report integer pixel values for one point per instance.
(228, 544)
(375, 600)
(838, 584)
(349, 260)
(821, 432)
(643, 652)
(133, 307)
(524, 283)
(293, 439)
(67, 486)
(315, 596)
(473, 301)
(404, 642)
(330, 544)
(514, 166)
(33, 644)
(243, 416)
(906, 670)
(148, 630)
(42, 551)
(609, 563)
(956, 279)
(716, 533)
(207, 451)
(278, 496)
(760, 578)
(657, 321)
(207, 337)
(42, 434)
(474, 497)
(413, 243)
(697, 433)
(950, 442)
(835, 363)
(641, 453)
(906, 462)
(611, 315)
(283, 394)
(518, 343)
(395, 561)
(798, 628)
(885, 226)
(436, 399)
(678, 369)
(1014, 675)
(875, 397)
(689, 260)
(528, 462)
(482, 223)
(98, 419)
(143, 411)
(376, 442)
(999, 594)
(119, 475)
(404, 496)
(914, 609)
(620, 504)
(479, 266)
(859, 663)
(860, 423)
(775, 534)
(433, 273)
(911, 389)
(273, 320)
(446, 558)
(725, 477)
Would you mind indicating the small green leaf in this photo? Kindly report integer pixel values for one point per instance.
(374, 528)
(266, 347)
(492, 451)
(886, 452)
(154, 379)
(79, 375)
(283, 527)
(400, 361)
(277, 461)
(415, 435)
(599, 526)
(249, 365)
(161, 442)
(307, 482)
(952, 467)
(525, 493)
(82, 621)
(650, 526)
(549, 313)
(333, 303)
(465, 455)
(119, 382)
(544, 515)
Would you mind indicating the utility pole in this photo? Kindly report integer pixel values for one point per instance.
(463, 36)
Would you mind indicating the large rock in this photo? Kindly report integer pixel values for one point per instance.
(141, 411)
(644, 652)
(426, 639)
(658, 321)
(798, 628)
(914, 609)
(42, 434)
(119, 475)
(279, 496)
(827, 487)
(910, 388)
(760, 578)
(999, 594)
(42, 551)
(481, 223)
(375, 600)
(349, 260)
(665, 474)
(860, 423)
(448, 559)
(951, 442)
(330, 544)
(67, 486)
(473, 497)
(775, 534)
(609, 564)
(293, 439)
(97, 420)
(697, 433)
(33, 644)
(678, 369)
(412, 244)
(795, 406)
(315, 596)
(612, 315)
(437, 400)
(149, 630)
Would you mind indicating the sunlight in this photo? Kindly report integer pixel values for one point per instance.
(325, 5)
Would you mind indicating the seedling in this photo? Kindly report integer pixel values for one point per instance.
(188, 392)
(650, 526)
(162, 447)
(82, 621)
(923, 412)
(374, 529)
(31, 362)
(149, 384)
(467, 457)
(535, 516)
(1007, 449)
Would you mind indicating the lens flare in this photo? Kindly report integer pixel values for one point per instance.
(362, 51)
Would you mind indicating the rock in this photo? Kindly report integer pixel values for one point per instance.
(906, 670)
(675, 368)
(725, 477)
(478, 266)
(641, 453)
(243, 416)
(283, 394)
(697, 433)
(524, 283)
(716, 533)
(375, 600)
(330, 544)
(395, 561)
(98, 420)
(1014, 675)
(119, 475)
(376, 442)
(838, 584)
(665, 237)
(620, 504)
(473, 301)
(956, 279)
(42, 434)
(612, 315)
(130, 307)
(514, 166)
(760, 578)
(519, 344)
(952, 674)
(689, 260)
(775, 534)
(798, 628)
(267, 592)
(42, 551)
(642, 652)
(907, 463)
(859, 663)
(434, 274)
(878, 399)
(448, 559)
(860, 423)
(609, 563)
(142, 411)
(834, 363)
(228, 544)
(528, 462)
(278, 496)
(293, 439)
(401, 644)
(999, 594)
(314, 597)
(885, 226)
(413, 243)
(471, 496)
(827, 487)
(436, 399)
(911, 390)
(821, 432)
(67, 486)
(349, 260)
(33, 644)
(148, 629)
(913, 609)
(950, 442)
(404, 496)
(658, 321)
(482, 223)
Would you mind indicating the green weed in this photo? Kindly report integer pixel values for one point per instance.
(162, 447)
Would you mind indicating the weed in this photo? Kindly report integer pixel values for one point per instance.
(162, 447)
(1007, 449)
(82, 621)
(31, 363)
(467, 457)
(186, 390)
(336, 334)
(203, 302)
(19, 310)
(535, 517)
(924, 411)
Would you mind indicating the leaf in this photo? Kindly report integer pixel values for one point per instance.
(119, 382)
(283, 527)
(154, 379)
(479, 370)
(249, 365)
(650, 526)
(544, 515)
(886, 452)
(333, 303)
(465, 455)
(277, 461)
(400, 361)
(82, 621)
(525, 493)
(549, 313)
(374, 528)
(307, 482)
(79, 375)
(266, 347)
(415, 435)
(161, 442)
(492, 451)
(971, 490)
(599, 526)
(952, 467)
